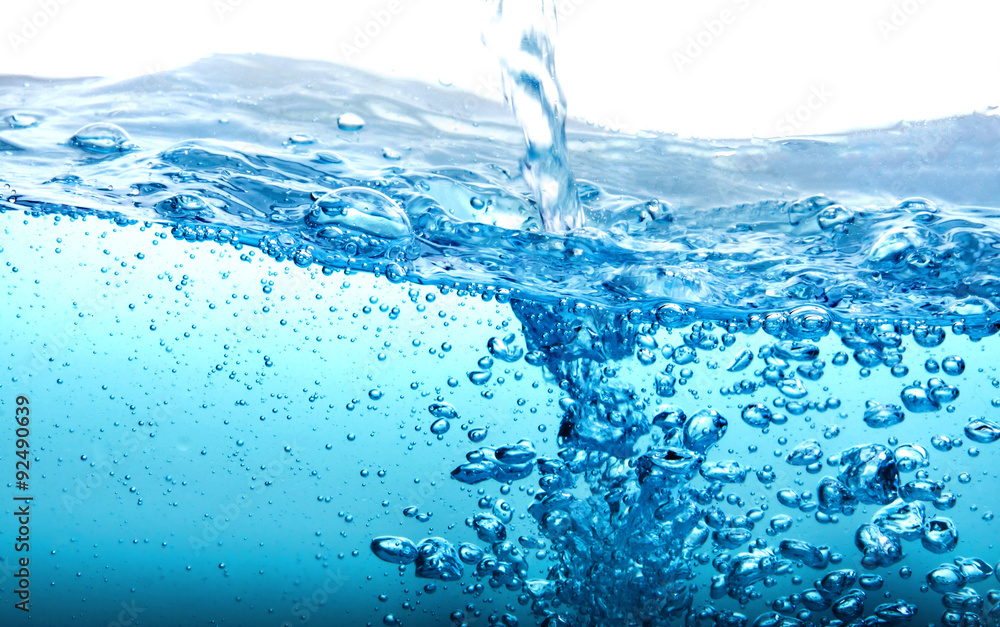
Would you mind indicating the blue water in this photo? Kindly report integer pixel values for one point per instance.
(305, 346)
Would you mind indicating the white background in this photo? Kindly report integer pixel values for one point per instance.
(720, 68)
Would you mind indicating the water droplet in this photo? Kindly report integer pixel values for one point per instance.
(21, 120)
(350, 122)
(103, 138)
(361, 210)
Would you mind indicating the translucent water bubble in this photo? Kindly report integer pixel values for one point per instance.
(440, 426)
(504, 349)
(394, 549)
(704, 429)
(781, 523)
(802, 551)
(474, 472)
(896, 612)
(834, 216)
(834, 496)
(21, 120)
(359, 209)
(757, 415)
(942, 443)
(766, 475)
(871, 583)
(796, 350)
(953, 365)
(684, 355)
(478, 435)
(470, 553)
(438, 559)
(443, 410)
(906, 520)
(836, 583)
(808, 322)
(723, 472)
(731, 538)
(945, 579)
(910, 457)
(940, 535)
(916, 398)
(184, 206)
(943, 393)
(645, 356)
(102, 138)
(350, 122)
(974, 569)
(882, 415)
(982, 431)
(671, 315)
(741, 362)
(665, 385)
(880, 548)
(792, 387)
(489, 528)
(851, 606)
(503, 511)
(522, 452)
(870, 473)
(805, 453)
(669, 416)
(788, 498)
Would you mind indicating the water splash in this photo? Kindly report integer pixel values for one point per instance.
(522, 34)
(648, 512)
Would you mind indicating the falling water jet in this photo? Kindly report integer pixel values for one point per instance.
(521, 33)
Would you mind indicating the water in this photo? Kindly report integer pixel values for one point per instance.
(302, 347)
(522, 33)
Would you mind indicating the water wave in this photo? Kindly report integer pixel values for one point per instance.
(245, 149)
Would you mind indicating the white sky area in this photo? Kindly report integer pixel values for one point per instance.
(715, 68)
